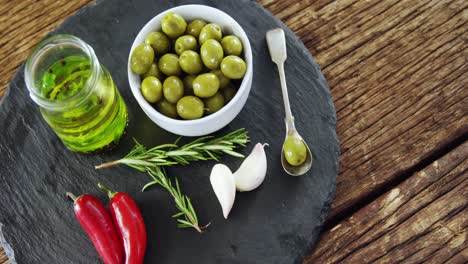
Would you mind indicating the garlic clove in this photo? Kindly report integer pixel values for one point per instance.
(253, 170)
(223, 184)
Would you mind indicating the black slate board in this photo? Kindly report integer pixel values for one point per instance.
(278, 223)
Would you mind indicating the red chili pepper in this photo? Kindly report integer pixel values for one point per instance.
(98, 224)
(129, 222)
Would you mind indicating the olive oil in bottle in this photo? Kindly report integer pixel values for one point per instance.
(76, 95)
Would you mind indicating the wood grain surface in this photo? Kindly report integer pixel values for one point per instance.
(423, 219)
(397, 72)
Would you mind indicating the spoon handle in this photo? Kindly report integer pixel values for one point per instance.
(289, 119)
(276, 42)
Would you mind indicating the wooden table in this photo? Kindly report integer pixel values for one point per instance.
(398, 74)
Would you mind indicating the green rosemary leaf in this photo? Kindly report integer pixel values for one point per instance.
(226, 143)
(212, 156)
(183, 226)
(157, 159)
(149, 184)
(233, 153)
(184, 222)
(135, 161)
(217, 147)
(181, 153)
(177, 215)
(165, 146)
(177, 140)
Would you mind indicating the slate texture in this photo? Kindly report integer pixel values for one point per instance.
(277, 223)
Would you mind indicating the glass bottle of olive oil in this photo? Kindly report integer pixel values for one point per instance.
(76, 95)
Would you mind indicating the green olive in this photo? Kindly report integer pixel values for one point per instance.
(173, 25)
(190, 107)
(205, 85)
(214, 103)
(167, 109)
(212, 54)
(223, 80)
(173, 89)
(210, 31)
(195, 27)
(190, 62)
(184, 43)
(169, 64)
(294, 151)
(229, 92)
(141, 59)
(153, 71)
(232, 45)
(159, 42)
(233, 67)
(188, 84)
(151, 89)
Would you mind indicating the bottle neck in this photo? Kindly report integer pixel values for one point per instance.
(39, 73)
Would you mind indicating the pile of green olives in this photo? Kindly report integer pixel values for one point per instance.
(188, 70)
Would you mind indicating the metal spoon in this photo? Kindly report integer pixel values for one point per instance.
(277, 47)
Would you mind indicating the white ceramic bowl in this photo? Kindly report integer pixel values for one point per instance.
(224, 116)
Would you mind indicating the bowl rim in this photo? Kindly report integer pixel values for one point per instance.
(146, 106)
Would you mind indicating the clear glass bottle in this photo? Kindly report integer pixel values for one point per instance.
(76, 95)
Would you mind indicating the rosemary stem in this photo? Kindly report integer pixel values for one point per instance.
(107, 164)
(194, 224)
(197, 228)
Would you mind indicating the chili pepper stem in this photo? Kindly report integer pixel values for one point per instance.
(71, 196)
(109, 192)
(107, 164)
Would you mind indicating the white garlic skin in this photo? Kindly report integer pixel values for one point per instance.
(253, 170)
(224, 186)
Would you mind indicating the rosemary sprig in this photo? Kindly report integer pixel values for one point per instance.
(204, 148)
(153, 160)
(186, 217)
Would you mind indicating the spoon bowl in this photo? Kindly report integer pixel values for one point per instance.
(305, 166)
